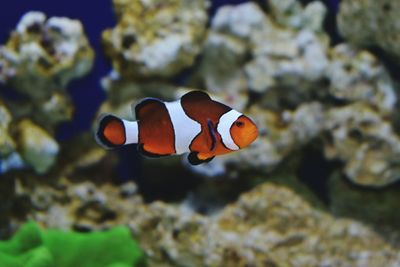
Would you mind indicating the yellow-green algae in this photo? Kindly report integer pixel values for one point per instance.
(34, 247)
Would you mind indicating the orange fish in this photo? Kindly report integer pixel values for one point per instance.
(194, 124)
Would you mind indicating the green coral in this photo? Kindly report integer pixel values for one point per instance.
(33, 247)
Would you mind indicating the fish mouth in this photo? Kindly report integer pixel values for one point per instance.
(251, 137)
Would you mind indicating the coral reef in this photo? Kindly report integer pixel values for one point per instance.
(7, 144)
(34, 247)
(45, 54)
(278, 64)
(265, 225)
(155, 38)
(39, 59)
(290, 13)
(366, 142)
(356, 75)
(278, 67)
(273, 61)
(37, 147)
(90, 206)
(358, 22)
(278, 56)
(297, 84)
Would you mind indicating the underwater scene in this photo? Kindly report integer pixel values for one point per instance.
(200, 133)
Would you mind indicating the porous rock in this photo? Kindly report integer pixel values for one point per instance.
(262, 227)
(36, 146)
(43, 54)
(269, 224)
(366, 142)
(369, 23)
(7, 144)
(359, 76)
(155, 37)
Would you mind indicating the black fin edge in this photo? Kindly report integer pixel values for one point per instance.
(194, 160)
(102, 122)
(198, 93)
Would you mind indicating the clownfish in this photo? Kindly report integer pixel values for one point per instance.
(194, 124)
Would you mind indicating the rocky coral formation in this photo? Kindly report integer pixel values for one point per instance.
(45, 54)
(87, 207)
(278, 64)
(10, 158)
(278, 56)
(40, 58)
(366, 143)
(155, 38)
(37, 147)
(297, 84)
(358, 76)
(290, 13)
(264, 226)
(7, 144)
(358, 22)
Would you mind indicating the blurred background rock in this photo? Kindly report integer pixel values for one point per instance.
(319, 77)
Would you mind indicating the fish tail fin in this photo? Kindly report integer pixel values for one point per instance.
(113, 131)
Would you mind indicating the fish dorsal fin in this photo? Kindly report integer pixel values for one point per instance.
(200, 107)
(194, 96)
(147, 106)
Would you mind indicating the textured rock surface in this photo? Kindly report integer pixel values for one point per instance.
(290, 13)
(366, 143)
(371, 23)
(264, 226)
(37, 147)
(277, 66)
(356, 75)
(45, 54)
(296, 80)
(278, 56)
(7, 144)
(155, 37)
(39, 59)
(9, 157)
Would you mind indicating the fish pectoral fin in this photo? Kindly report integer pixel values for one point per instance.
(144, 152)
(196, 158)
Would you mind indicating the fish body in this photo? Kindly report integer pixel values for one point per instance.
(194, 124)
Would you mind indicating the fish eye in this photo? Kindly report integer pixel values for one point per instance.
(239, 124)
